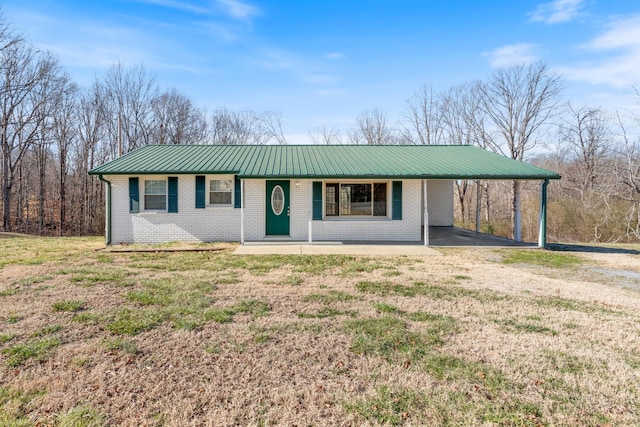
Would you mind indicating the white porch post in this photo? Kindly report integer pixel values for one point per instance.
(242, 212)
(517, 208)
(478, 195)
(542, 225)
(426, 213)
(310, 227)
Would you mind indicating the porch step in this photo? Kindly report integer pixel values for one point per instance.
(277, 238)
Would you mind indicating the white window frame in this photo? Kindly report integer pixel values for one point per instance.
(166, 195)
(341, 217)
(210, 179)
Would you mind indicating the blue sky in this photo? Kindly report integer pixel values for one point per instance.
(324, 62)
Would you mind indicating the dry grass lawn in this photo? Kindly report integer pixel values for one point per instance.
(474, 337)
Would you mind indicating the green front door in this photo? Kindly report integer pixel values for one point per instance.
(277, 208)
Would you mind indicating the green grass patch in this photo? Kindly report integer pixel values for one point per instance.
(34, 350)
(433, 291)
(542, 258)
(9, 292)
(253, 307)
(81, 416)
(293, 280)
(385, 287)
(573, 305)
(33, 280)
(13, 407)
(565, 363)
(131, 322)
(525, 327)
(392, 339)
(120, 344)
(89, 318)
(5, 338)
(383, 307)
(68, 306)
(330, 297)
(88, 277)
(398, 406)
(325, 312)
(47, 330)
(14, 318)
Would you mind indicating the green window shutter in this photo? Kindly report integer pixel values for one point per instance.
(317, 200)
(396, 200)
(134, 195)
(200, 192)
(237, 201)
(172, 185)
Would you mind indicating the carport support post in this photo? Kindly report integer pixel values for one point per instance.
(478, 194)
(426, 214)
(242, 212)
(542, 226)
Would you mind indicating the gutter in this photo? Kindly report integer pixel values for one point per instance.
(108, 211)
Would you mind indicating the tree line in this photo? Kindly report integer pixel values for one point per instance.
(52, 132)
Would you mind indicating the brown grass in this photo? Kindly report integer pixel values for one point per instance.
(462, 339)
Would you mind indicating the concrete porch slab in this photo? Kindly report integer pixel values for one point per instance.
(333, 248)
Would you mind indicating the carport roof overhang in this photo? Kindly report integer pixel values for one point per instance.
(324, 162)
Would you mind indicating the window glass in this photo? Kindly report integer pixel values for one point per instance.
(356, 199)
(155, 194)
(332, 204)
(380, 199)
(277, 200)
(220, 191)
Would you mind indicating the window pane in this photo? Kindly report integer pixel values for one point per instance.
(380, 199)
(331, 208)
(221, 185)
(220, 191)
(155, 194)
(355, 199)
(155, 202)
(155, 187)
(217, 198)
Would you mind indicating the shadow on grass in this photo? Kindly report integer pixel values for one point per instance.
(562, 247)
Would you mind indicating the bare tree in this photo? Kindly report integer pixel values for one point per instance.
(127, 96)
(65, 131)
(518, 101)
(22, 70)
(423, 118)
(326, 135)
(373, 129)
(237, 128)
(271, 126)
(585, 132)
(178, 120)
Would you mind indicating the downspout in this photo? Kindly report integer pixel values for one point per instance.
(107, 231)
(542, 227)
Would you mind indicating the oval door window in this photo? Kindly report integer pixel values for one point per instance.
(277, 200)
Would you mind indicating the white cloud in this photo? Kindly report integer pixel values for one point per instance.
(513, 54)
(557, 11)
(237, 9)
(620, 33)
(334, 55)
(617, 53)
(233, 8)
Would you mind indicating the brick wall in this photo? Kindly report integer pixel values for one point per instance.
(216, 223)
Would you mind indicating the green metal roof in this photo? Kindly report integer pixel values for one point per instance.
(323, 161)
